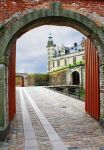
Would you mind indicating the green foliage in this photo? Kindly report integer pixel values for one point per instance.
(72, 65)
(39, 79)
(60, 69)
(76, 64)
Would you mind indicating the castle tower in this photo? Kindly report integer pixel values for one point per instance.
(51, 49)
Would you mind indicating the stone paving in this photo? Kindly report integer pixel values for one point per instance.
(15, 139)
(56, 141)
(66, 115)
(71, 122)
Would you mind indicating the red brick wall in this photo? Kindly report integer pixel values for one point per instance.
(9, 7)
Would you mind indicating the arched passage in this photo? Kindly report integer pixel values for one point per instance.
(75, 78)
(19, 81)
(22, 79)
(55, 15)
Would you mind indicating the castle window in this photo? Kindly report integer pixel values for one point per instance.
(65, 62)
(53, 64)
(48, 63)
(58, 63)
(74, 60)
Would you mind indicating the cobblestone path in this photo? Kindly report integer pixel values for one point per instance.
(47, 120)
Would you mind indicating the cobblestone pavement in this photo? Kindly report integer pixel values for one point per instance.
(66, 115)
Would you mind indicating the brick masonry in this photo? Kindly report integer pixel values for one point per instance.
(11, 10)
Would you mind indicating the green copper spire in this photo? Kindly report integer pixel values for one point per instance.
(50, 37)
(50, 40)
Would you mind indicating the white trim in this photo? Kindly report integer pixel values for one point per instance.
(30, 138)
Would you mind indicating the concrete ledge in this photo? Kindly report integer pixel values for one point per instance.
(101, 122)
(4, 132)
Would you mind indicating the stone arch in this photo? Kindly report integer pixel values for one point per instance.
(21, 83)
(24, 78)
(55, 15)
(75, 78)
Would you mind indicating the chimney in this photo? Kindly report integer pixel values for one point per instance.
(75, 44)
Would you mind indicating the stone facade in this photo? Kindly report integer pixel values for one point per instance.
(64, 62)
(58, 78)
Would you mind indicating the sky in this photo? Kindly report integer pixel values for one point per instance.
(31, 52)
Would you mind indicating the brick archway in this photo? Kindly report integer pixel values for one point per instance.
(54, 14)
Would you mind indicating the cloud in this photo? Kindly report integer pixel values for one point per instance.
(31, 46)
(34, 65)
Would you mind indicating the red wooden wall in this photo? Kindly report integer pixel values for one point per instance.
(11, 83)
(92, 97)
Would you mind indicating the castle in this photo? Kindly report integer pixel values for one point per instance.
(66, 64)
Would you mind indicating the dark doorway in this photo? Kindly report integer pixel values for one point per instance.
(75, 78)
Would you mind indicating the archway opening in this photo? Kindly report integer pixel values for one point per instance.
(75, 78)
(63, 21)
(20, 81)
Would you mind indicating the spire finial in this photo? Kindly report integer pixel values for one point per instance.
(50, 35)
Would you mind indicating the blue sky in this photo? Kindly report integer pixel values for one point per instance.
(31, 53)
